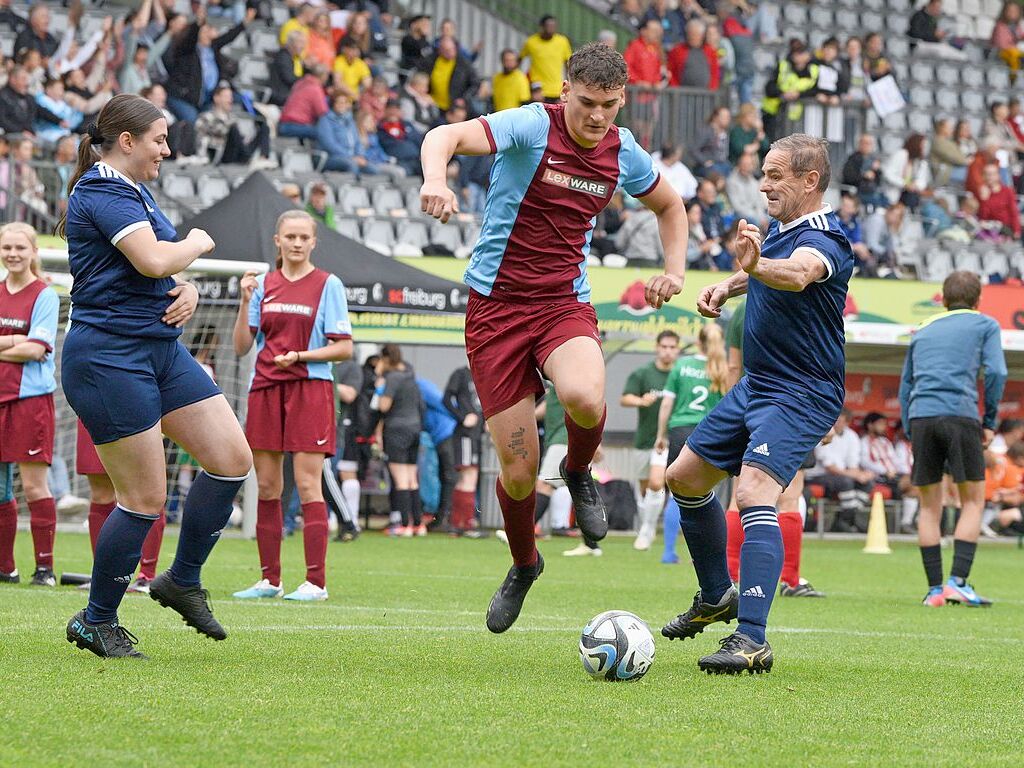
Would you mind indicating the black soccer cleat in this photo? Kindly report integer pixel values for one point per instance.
(803, 589)
(508, 600)
(701, 614)
(193, 603)
(591, 515)
(44, 577)
(10, 578)
(108, 641)
(738, 654)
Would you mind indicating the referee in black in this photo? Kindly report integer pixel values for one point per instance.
(939, 407)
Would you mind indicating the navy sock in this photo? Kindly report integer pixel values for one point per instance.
(760, 568)
(671, 530)
(703, 524)
(118, 549)
(206, 511)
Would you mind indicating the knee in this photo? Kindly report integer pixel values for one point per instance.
(35, 488)
(149, 502)
(236, 461)
(682, 483)
(308, 488)
(518, 483)
(583, 401)
(270, 487)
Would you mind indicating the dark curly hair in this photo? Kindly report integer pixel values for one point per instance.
(598, 66)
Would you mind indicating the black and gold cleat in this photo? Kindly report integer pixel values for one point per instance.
(738, 654)
(701, 614)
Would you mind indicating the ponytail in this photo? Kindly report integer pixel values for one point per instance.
(87, 156)
(712, 344)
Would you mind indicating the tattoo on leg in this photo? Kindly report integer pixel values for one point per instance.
(518, 443)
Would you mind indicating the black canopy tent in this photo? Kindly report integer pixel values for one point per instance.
(242, 225)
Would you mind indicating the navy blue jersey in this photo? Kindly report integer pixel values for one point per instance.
(108, 292)
(793, 340)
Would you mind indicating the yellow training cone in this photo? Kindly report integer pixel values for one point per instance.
(878, 536)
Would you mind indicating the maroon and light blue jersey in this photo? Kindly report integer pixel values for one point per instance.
(31, 312)
(545, 193)
(308, 313)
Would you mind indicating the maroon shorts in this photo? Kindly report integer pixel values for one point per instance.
(87, 461)
(27, 429)
(507, 344)
(292, 416)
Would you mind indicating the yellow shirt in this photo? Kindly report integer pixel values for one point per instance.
(547, 62)
(352, 74)
(440, 78)
(511, 90)
(290, 26)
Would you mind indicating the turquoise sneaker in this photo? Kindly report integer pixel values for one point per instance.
(963, 594)
(261, 588)
(307, 593)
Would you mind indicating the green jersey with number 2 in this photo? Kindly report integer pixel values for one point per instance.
(691, 385)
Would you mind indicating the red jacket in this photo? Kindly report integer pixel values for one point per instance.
(643, 62)
(307, 102)
(1001, 206)
(677, 63)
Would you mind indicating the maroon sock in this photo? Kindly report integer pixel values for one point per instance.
(151, 548)
(463, 509)
(98, 514)
(792, 526)
(43, 520)
(583, 443)
(8, 528)
(269, 522)
(314, 537)
(518, 514)
(733, 543)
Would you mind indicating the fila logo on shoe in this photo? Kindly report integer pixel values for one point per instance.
(754, 591)
(762, 449)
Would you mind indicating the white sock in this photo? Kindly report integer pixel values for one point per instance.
(801, 506)
(350, 489)
(650, 509)
(909, 507)
(558, 509)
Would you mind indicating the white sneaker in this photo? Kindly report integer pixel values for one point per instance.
(332, 524)
(261, 588)
(307, 593)
(501, 536)
(643, 541)
(582, 550)
(69, 502)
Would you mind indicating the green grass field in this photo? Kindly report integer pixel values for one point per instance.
(398, 669)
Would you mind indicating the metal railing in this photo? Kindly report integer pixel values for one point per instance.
(669, 115)
(840, 125)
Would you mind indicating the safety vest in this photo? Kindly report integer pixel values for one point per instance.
(789, 80)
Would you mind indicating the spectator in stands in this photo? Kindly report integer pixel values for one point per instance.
(927, 38)
(875, 63)
(833, 76)
(28, 190)
(741, 37)
(1008, 432)
(196, 63)
(848, 215)
(52, 100)
(638, 241)
(36, 35)
(220, 139)
(548, 51)
(417, 47)
(964, 137)
(338, 136)
(608, 37)
(723, 52)
(878, 455)
(378, 162)
(965, 223)
(9, 18)
(948, 163)
(181, 135)
(886, 235)
(139, 53)
(31, 61)
(1015, 119)
(1004, 491)
(701, 250)
(351, 73)
(795, 77)
(510, 88)
(401, 139)
(744, 192)
(996, 202)
(474, 179)
(288, 66)
(537, 93)
(305, 106)
(318, 206)
(375, 98)
(18, 110)
(301, 21)
(293, 193)
(645, 56)
(838, 471)
(320, 40)
(629, 13)
(906, 174)
(56, 177)
(448, 29)
(452, 76)
(996, 130)
(1007, 35)
(670, 20)
(853, 62)
(711, 149)
(418, 108)
(359, 29)
(711, 210)
(692, 63)
(669, 163)
(70, 55)
(987, 153)
(747, 135)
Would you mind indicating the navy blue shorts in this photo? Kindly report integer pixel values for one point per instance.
(122, 385)
(767, 430)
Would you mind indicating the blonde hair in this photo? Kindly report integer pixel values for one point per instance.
(296, 214)
(21, 228)
(712, 344)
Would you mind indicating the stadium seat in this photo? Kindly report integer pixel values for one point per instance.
(998, 78)
(179, 186)
(212, 189)
(446, 236)
(295, 161)
(795, 15)
(387, 199)
(822, 17)
(253, 70)
(348, 226)
(263, 42)
(354, 199)
(379, 235)
(872, 22)
(922, 72)
(412, 232)
(940, 264)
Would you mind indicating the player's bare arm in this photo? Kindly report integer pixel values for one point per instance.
(664, 411)
(638, 401)
(242, 337)
(186, 299)
(713, 297)
(672, 229)
(439, 146)
(161, 258)
(338, 350)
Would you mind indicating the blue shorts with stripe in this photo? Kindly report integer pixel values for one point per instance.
(122, 385)
(769, 430)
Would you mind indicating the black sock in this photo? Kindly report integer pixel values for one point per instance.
(416, 506)
(396, 497)
(963, 559)
(543, 500)
(932, 559)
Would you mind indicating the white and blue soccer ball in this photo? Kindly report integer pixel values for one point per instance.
(616, 646)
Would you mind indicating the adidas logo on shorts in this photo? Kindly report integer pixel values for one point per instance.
(754, 591)
(762, 449)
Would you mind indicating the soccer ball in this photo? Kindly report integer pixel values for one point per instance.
(616, 646)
